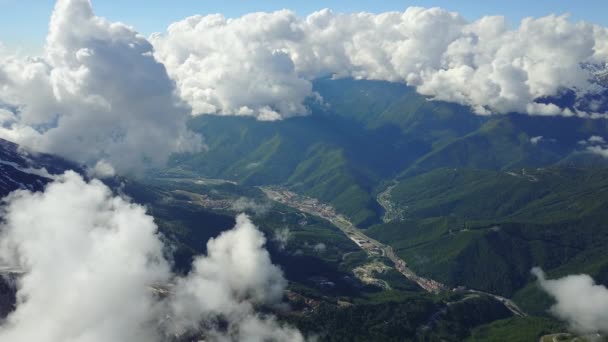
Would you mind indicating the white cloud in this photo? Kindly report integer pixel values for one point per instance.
(536, 140)
(102, 169)
(98, 93)
(6, 115)
(320, 247)
(244, 204)
(599, 150)
(580, 301)
(282, 237)
(596, 139)
(596, 145)
(265, 61)
(236, 66)
(90, 259)
(236, 274)
(262, 65)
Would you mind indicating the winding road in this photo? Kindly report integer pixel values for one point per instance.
(384, 199)
(369, 245)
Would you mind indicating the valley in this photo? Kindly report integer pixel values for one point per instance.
(291, 172)
(387, 203)
(391, 212)
(370, 246)
(445, 198)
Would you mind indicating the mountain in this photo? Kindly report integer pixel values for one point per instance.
(471, 201)
(365, 133)
(515, 141)
(486, 229)
(316, 257)
(331, 155)
(474, 200)
(22, 169)
(26, 170)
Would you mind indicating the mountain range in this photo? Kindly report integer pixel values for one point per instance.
(476, 200)
(471, 201)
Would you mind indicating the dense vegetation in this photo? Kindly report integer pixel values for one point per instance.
(487, 229)
(515, 329)
(480, 200)
(409, 318)
(367, 312)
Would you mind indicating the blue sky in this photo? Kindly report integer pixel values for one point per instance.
(23, 23)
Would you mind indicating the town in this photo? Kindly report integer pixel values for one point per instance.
(370, 246)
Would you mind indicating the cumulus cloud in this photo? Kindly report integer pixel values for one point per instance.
(96, 94)
(90, 260)
(236, 273)
(597, 139)
(580, 301)
(596, 145)
(236, 66)
(104, 75)
(261, 64)
(244, 204)
(102, 169)
(320, 248)
(536, 140)
(599, 150)
(282, 237)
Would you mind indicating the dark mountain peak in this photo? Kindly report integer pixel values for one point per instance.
(23, 169)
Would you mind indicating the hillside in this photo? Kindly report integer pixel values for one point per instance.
(365, 133)
(516, 141)
(340, 153)
(467, 247)
(487, 229)
(254, 171)
(23, 169)
(482, 199)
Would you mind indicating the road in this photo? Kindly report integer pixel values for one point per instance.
(506, 301)
(372, 247)
(384, 199)
(369, 245)
(366, 243)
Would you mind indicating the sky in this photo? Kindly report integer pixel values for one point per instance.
(23, 23)
(115, 101)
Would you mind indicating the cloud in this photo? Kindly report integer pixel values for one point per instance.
(236, 274)
(244, 204)
(282, 237)
(536, 140)
(580, 301)
(261, 64)
(97, 93)
(596, 139)
(102, 169)
(320, 248)
(599, 150)
(90, 259)
(596, 145)
(236, 66)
